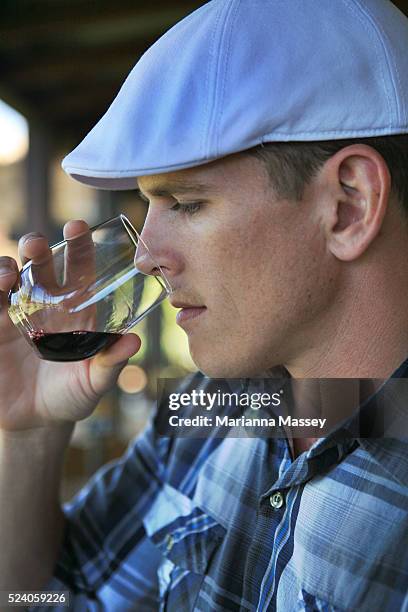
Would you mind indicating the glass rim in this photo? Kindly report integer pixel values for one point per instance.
(131, 230)
(132, 233)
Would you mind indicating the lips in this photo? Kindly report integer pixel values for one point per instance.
(188, 311)
(192, 312)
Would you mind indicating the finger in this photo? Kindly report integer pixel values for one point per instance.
(74, 229)
(120, 351)
(79, 253)
(8, 278)
(8, 272)
(107, 365)
(34, 247)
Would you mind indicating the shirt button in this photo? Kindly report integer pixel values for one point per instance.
(276, 500)
(169, 542)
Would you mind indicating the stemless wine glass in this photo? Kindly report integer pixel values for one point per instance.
(87, 293)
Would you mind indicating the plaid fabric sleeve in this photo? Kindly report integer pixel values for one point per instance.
(104, 531)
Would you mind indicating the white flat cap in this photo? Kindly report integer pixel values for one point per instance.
(237, 73)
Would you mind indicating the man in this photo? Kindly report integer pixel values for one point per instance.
(269, 140)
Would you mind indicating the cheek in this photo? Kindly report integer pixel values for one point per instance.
(249, 261)
(262, 296)
(259, 265)
(271, 277)
(237, 253)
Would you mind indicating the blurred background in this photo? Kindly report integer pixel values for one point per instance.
(61, 64)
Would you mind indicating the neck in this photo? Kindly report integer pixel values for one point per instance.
(365, 335)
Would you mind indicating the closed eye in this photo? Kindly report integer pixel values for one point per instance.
(189, 208)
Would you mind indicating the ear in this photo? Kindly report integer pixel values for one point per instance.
(361, 182)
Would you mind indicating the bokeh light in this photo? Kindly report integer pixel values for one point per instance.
(132, 379)
(14, 135)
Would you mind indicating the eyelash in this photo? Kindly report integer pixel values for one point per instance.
(189, 208)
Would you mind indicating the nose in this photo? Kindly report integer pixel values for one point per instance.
(144, 260)
(156, 253)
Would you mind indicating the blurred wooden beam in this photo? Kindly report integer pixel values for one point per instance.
(52, 69)
(92, 23)
(37, 180)
(15, 99)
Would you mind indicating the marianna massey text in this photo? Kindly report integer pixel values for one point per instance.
(244, 421)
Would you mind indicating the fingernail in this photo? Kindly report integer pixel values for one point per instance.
(34, 236)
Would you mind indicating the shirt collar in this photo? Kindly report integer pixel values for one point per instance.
(379, 426)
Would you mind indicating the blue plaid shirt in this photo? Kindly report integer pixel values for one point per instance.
(234, 523)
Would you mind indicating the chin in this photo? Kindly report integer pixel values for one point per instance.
(216, 367)
(221, 357)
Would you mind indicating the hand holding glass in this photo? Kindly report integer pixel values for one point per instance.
(87, 292)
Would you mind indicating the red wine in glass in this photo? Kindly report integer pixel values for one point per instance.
(97, 284)
(71, 346)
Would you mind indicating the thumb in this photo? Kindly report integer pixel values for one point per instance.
(106, 366)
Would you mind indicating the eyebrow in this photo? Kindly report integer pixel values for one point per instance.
(169, 189)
